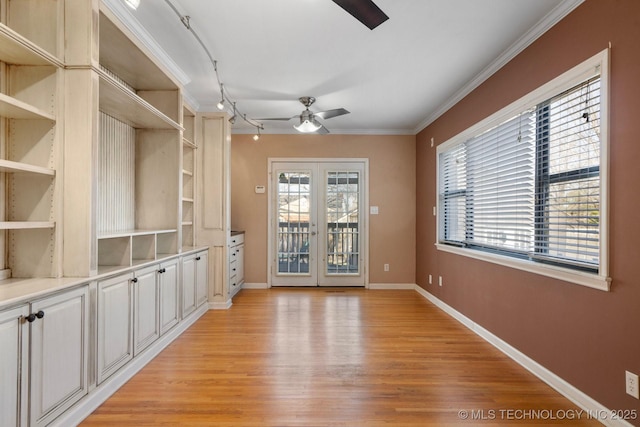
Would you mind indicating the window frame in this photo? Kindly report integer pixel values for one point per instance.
(599, 63)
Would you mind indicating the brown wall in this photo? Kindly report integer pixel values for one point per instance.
(392, 180)
(586, 336)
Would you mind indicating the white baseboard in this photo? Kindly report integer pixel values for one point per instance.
(592, 407)
(246, 285)
(220, 305)
(395, 286)
(101, 393)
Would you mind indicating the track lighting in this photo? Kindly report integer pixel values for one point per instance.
(257, 135)
(232, 120)
(221, 103)
(186, 21)
(133, 4)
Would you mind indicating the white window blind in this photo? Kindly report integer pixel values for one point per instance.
(568, 186)
(529, 187)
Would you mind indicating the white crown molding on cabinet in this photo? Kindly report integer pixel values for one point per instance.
(555, 16)
(118, 8)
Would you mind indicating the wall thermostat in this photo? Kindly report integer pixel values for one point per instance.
(259, 189)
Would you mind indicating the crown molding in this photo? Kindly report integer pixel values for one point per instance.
(123, 13)
(544, 25)
(292, 131)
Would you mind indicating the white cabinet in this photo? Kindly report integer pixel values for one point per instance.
(59, 354)
(146, 319)
(188, 305)
(194, 281)
(14, 355)
(236, 263)
(56, 329)
(115, 324)
(169, 292)
(202, 277)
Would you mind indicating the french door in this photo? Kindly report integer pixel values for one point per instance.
(317, 235)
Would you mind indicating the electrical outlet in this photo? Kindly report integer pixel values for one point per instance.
(386, 267)
(439, 280)
(632, 384)
(430, 279)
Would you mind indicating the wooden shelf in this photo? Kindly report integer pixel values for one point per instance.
(127, 233)
(26, 225)
(129, 61)
(16, 167)
(15, 49)
(187, 199)
(187, 223)
(186, 172)
(16, 109)
(121, 103)
(188, 143)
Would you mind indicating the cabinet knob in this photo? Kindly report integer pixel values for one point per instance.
(30, 318)
(40, 314)
(197, 258)
(134, 280)
(162, 270)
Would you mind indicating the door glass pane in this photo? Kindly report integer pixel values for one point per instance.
(343, 217)
(294, 196)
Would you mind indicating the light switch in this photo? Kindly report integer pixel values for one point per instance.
(259, 189)
(373, 210)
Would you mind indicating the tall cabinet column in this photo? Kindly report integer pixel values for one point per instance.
(81, 136)
(213, 221)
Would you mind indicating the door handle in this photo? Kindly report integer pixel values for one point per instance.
(313, 233)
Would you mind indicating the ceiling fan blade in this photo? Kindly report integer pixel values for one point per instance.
(331, 113)
(323, 130)
(364, 11)
(285, 119)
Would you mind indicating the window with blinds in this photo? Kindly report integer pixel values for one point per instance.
(530, 186)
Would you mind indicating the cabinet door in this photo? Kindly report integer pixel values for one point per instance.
(59, 354)
(169, 314)
(14, 358)
(202, 277)
(146, 321)
(115, 324)
(188, 285)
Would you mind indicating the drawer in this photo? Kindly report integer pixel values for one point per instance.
(233, 268)
(237, 239)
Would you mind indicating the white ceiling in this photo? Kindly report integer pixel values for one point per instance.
(394, 79)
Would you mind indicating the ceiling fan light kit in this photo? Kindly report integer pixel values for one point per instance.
(307, 126)
(308, 121)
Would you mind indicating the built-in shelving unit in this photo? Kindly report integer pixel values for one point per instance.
(140, 169)
(189, 148)
(30, 46)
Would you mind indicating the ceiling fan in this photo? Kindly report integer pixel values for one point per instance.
(308, 122)
(364, 11)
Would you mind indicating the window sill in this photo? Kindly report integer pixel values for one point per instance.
(580, 278)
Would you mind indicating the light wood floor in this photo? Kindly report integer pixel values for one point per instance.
(332, 357)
